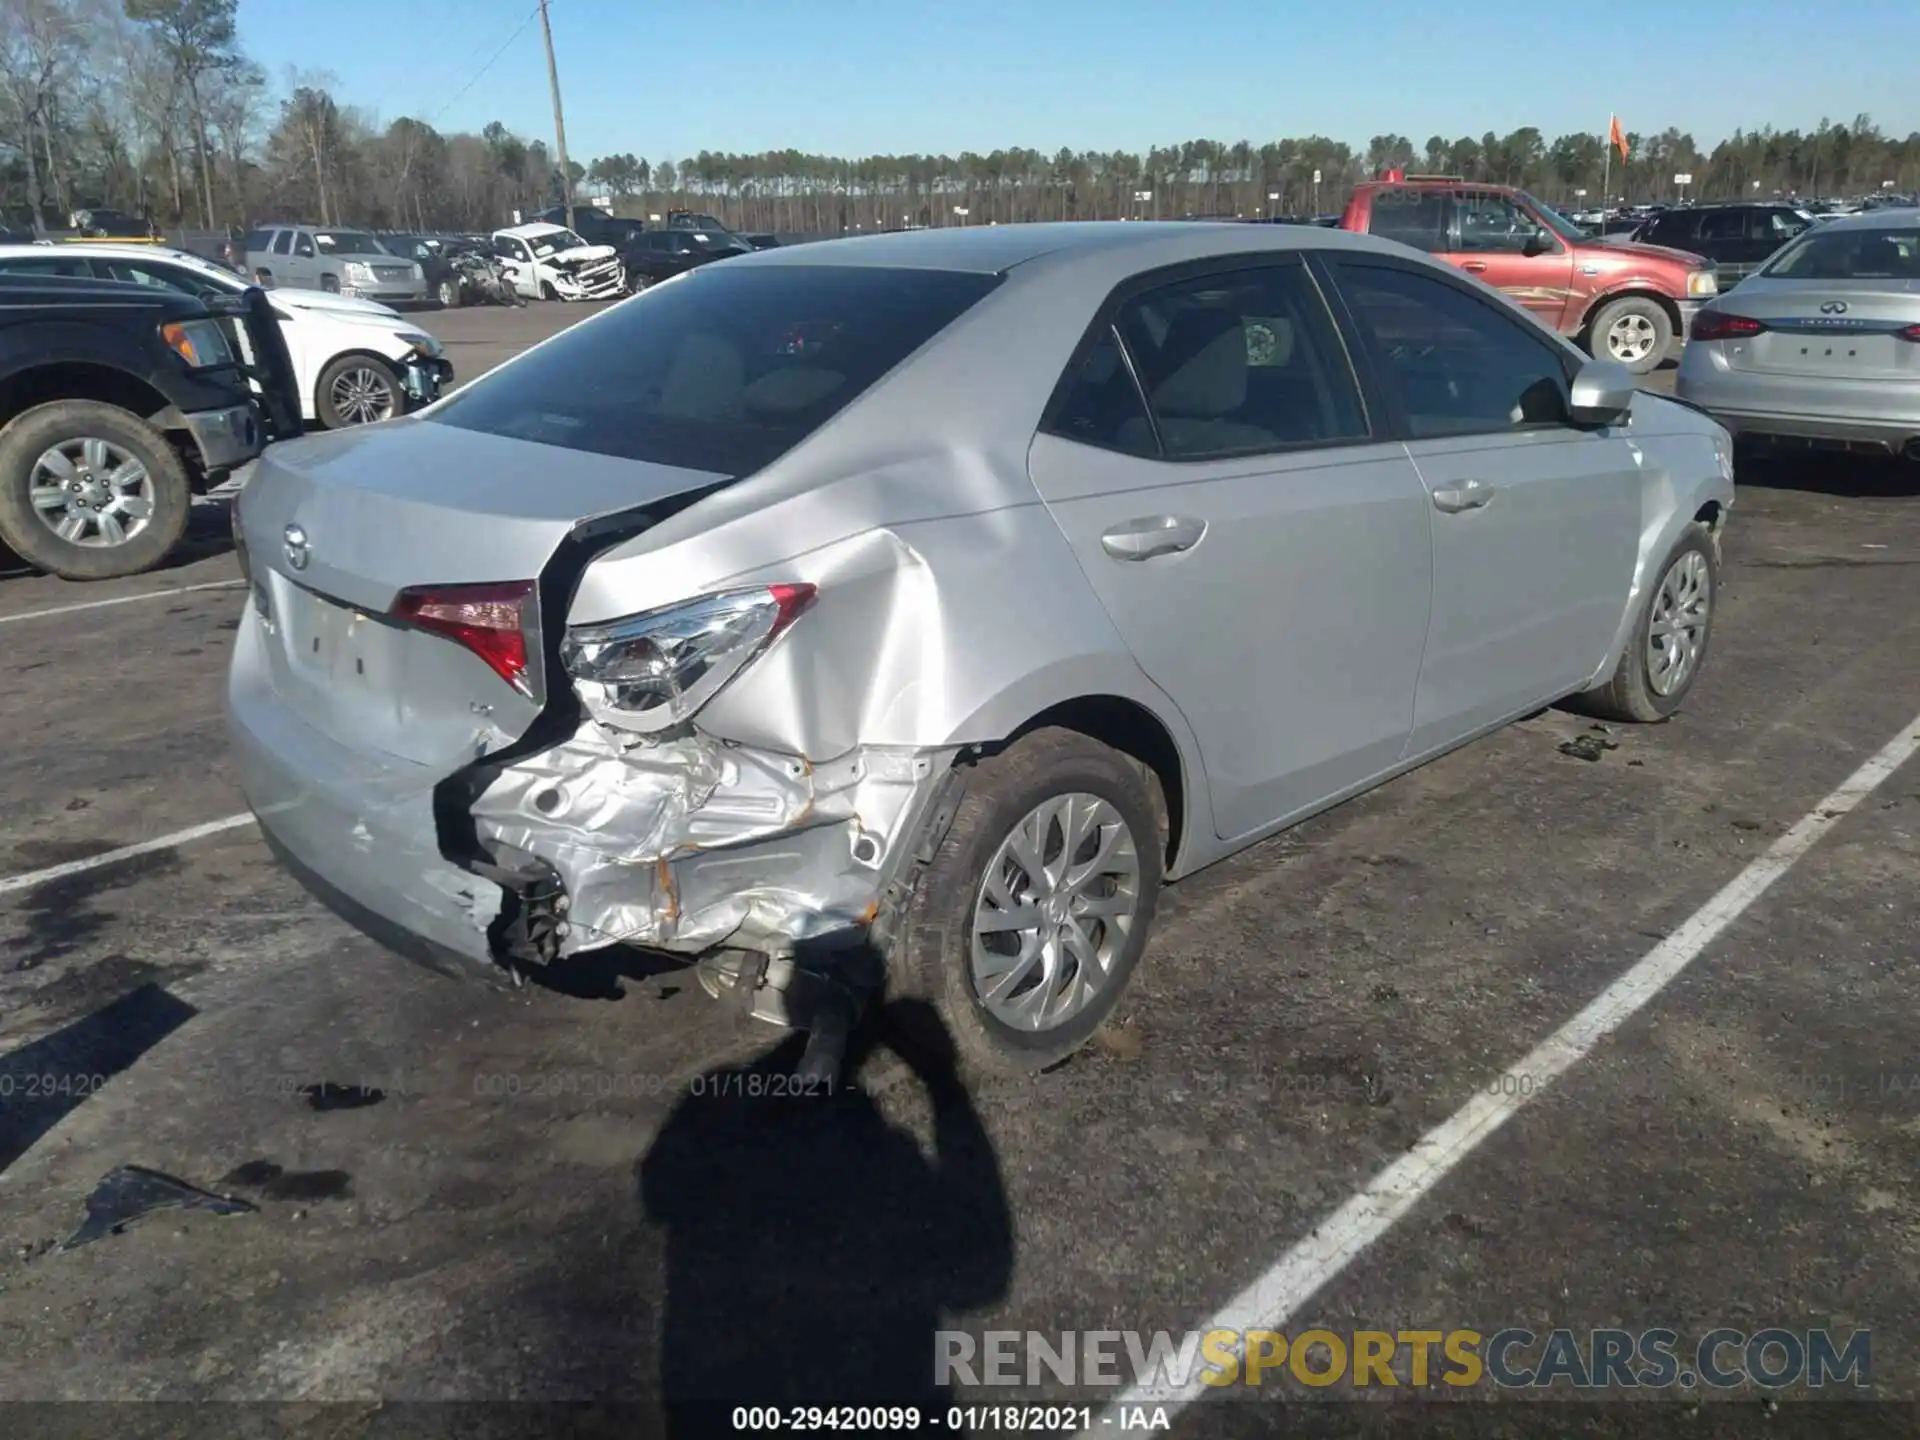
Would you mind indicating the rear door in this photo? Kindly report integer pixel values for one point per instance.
(1263, 552)
(1492, 237)
(1535, 523)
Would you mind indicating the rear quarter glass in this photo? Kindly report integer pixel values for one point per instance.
(723, 371)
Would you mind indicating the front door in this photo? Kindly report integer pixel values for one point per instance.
(1262, 552)
(1499, 241)
(1536, 523)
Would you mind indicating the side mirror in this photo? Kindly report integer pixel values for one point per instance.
(1601, 394)
(1538, 243)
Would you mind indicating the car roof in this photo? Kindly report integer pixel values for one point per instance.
(13, 249)
(16, 290)
(1885, 219)
(995, 249)
(532, 231)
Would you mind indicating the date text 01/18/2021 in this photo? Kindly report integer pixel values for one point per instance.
(956, 1420)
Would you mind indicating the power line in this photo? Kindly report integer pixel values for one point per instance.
(532, 15)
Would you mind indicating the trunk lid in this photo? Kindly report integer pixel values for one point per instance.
(1832, 329)
(405, 504)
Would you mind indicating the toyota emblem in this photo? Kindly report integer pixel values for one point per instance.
(1834, 307)
(296, 546)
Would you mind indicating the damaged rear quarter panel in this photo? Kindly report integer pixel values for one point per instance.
(950, 610)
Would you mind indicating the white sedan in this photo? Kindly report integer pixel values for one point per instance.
(350, 354)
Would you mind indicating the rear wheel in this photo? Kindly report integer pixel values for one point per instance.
(449, 293)
(357, 390)
(1026, 924)
(547, 292)
(1634, 331)
(89, 491)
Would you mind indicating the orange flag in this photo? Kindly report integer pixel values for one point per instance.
(1616, 136)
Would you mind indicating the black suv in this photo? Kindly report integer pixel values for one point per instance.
(117, 404)
(1738, 238)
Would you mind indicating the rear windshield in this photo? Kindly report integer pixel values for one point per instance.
(724, 369)
(1823, 254)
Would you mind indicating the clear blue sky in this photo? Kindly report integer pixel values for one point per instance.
(665, 78)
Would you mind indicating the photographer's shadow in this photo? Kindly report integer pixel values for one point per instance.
(812, 1248)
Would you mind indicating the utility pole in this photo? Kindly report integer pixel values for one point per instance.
(559, 117)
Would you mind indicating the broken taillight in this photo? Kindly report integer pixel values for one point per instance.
(1720, 325)
(653, 670)
(490, 620)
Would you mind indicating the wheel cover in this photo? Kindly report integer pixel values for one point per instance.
(1677, 624)
(91, 492)
(361, 395)
(447, 292)
(1054, 912)
(1631, 338)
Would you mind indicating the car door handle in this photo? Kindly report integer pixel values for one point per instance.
(1474, 267)
(1470, 495)
(1152, 535)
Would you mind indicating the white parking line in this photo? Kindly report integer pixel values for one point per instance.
(1273, 1299)
(125, 852)
(121, 600)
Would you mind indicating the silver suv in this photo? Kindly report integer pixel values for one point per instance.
(341, 262)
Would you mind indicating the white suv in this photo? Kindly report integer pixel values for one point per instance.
(351, 355)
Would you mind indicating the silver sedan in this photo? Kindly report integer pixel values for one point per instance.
(1823, 344)
(912, 607)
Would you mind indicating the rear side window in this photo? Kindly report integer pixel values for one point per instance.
(1850, 255)
(1413, 217)
(1241, 363)
(724, 370)
(71, 268)
(1098, 403)
(283, 242)
(256, 241)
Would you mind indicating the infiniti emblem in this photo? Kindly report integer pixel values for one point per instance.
(1834, 307)
(296, 546)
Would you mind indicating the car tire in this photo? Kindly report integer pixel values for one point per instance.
(1687, 586)
(547, 292)
(449, 294)
(330, 284)
(336, 390)
(933, 953)
(1634, 331)
(45, 428)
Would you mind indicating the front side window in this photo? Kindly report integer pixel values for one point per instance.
(1411, 215)
(1491, 223)
(303, 245)
(1723, 225)
(1779, 226)
(1242, 362)
(724, 370)
(1460, 366)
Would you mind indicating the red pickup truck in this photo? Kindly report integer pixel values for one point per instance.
(1617, 300)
